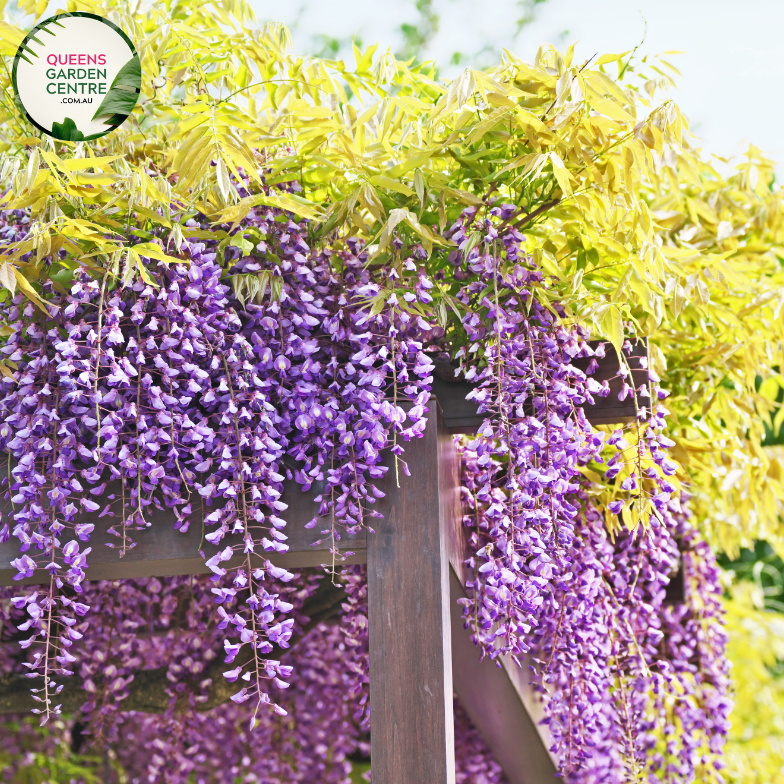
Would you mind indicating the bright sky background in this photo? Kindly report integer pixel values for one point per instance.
(731, 88)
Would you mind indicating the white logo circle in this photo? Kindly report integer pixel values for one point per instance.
(77, 76)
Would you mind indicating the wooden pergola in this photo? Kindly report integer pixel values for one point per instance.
(420, 654)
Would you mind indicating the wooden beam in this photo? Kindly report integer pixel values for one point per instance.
(609, 410)
(161, 551)
(412, 741)
(462, 417)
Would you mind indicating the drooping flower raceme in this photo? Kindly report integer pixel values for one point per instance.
(580, 596)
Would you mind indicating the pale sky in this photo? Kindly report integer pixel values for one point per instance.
(731, 87)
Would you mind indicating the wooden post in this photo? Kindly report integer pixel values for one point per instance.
(412, 741)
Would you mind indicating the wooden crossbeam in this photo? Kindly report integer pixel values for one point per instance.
(160, 551)
(462, 417)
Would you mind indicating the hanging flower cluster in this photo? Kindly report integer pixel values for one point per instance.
(581, 595)
(311, 742)
(166, 623)
(148, 624)
(523, 467)
(688, 734)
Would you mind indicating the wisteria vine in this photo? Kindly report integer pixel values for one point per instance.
(201, 387)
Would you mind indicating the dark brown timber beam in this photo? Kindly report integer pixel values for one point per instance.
(461, 415)
(161, 551)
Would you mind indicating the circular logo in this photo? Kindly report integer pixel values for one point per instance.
(77, 76)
